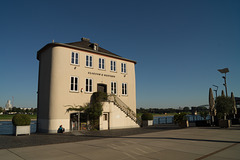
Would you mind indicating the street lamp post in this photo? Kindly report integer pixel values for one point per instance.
(224, 70)
(215, 89)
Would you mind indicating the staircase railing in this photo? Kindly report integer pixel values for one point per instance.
(123, 107)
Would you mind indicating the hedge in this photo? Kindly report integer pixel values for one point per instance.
(147, 116)
(21, 120)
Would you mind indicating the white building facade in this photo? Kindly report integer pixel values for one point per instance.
(70, 73)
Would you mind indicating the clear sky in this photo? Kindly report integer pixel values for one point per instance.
(178, 45)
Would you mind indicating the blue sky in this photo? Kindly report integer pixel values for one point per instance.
(178, 45)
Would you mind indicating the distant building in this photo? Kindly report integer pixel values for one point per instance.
(237, 99)
(8, 105)
(69, 73)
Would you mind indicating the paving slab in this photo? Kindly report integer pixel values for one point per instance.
(191, 143)
(8, 155)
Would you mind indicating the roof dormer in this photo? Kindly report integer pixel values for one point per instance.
(95, 46)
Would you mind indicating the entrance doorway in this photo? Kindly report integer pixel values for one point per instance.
(102, 88)
(105, 124)
(83, 121)
(74, 121)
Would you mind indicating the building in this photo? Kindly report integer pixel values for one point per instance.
(69, 73)
(8, 105)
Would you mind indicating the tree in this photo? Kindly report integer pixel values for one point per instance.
(1, 109)
(180, 118)
(14, 109)
(35, 110)
(223, 106)
(234, 107)
(201, 108)
(18, 110)
(147, 116)
(204, 114)
(187, 109)
(27, 110)
(211, 101)
(94, 110)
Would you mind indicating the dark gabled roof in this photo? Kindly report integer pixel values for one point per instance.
(89, 45)
(85, 45)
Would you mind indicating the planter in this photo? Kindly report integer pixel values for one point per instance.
(224, 123)
(22, 130)
(184, 124)
(146, 123)
(235, 121)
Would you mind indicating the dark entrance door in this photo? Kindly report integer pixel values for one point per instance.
(74, 121)
(102, 88)
(83, 121)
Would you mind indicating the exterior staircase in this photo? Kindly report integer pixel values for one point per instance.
(124, 108)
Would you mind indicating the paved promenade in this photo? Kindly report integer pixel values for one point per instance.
(151, 144)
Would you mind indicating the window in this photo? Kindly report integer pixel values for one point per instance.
(105, 116)
(88, 85)
(101, 63)
(113, 66)
(124, 88)
(74, 84)
(88, 61)
(123, 67)
(113, 87)
(74, 59)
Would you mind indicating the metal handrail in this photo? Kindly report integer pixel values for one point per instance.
(120, 104)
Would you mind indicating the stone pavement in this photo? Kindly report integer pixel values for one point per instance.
(10, 141)
(189, 143)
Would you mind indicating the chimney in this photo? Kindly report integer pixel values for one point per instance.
(85, 39)
(95, 46)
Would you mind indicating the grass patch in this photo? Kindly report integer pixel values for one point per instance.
(158, 115)
(9, 117)
(163, 115)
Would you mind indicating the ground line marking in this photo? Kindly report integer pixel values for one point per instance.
(129, 155)
(14, 153)
(210, 154)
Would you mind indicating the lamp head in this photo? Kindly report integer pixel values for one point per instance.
(224, 70)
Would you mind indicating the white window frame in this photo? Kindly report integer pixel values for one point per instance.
(89, 61)
(89, 87)
(75, 58)
(114, 88)
(74, 84)
(101, 63)
(123, 68)
(124, 89)
(113, 66)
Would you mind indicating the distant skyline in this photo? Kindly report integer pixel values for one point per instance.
(178, 45)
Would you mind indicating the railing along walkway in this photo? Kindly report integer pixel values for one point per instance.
(123, 107)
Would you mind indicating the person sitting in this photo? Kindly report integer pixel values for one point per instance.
(61, 129)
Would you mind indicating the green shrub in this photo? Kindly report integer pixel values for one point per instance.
(21, 120)
(178, 118)
(95, 108)
(204, 114)
(99, 97)
(147, 116)
(223, 106)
